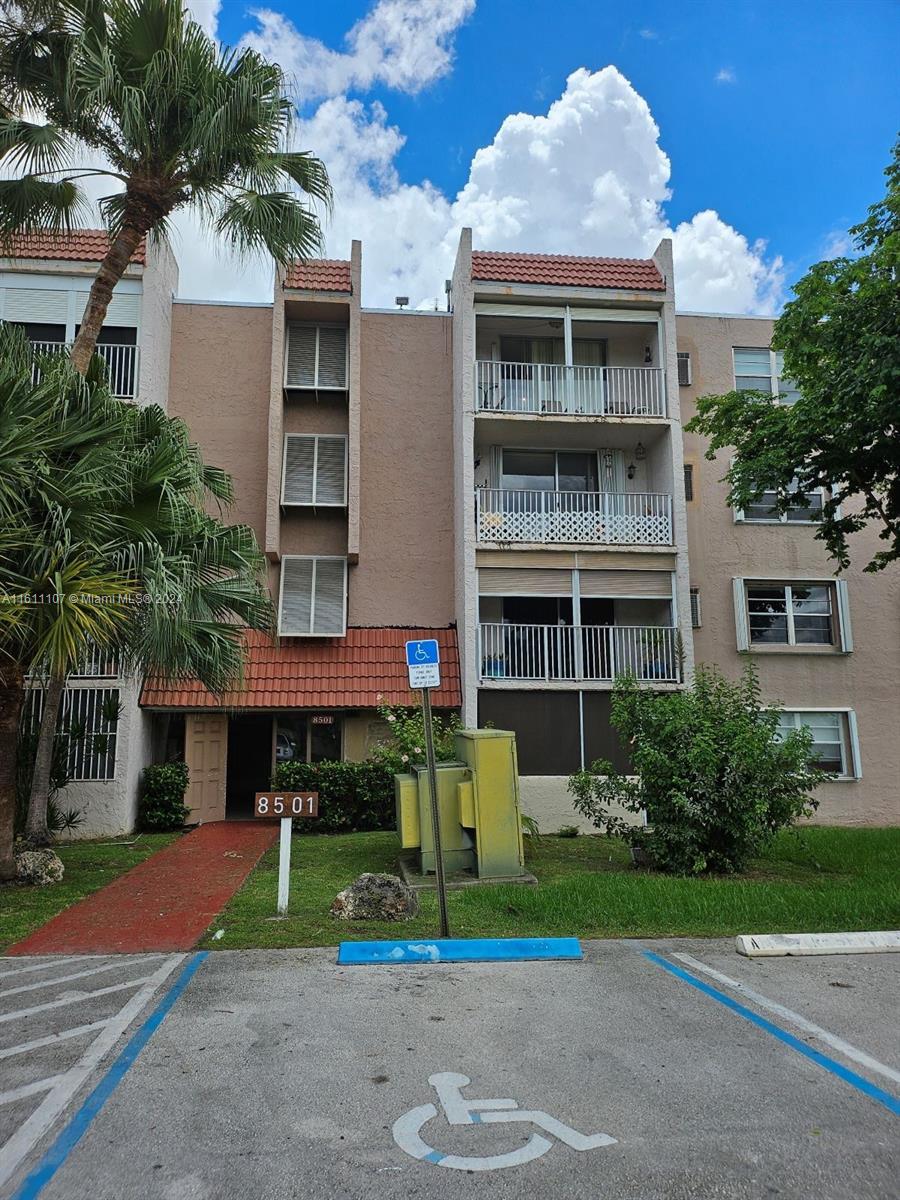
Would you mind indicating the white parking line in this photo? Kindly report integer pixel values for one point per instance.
(29, 1089)
(45, 965)
(34, 1128)
(793, 1018)
(43, 983)
(116, 987)
(52, 1038)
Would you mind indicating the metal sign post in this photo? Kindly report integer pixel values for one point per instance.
(284, 806)
(423, 662)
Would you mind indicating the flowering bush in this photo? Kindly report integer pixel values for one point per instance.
(406, 745)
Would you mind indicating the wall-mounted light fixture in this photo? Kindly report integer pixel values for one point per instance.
(629, 470)
(648, 354)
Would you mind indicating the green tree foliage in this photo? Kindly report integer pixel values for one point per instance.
(840, 337)
(135, 93)
(712, 774)
(106, 540)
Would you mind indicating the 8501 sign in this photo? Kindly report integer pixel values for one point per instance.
(277, 805)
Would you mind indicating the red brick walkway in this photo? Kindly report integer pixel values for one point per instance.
(165, 902)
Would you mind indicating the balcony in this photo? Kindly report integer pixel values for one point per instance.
(553, 389)
(577, 653)
(121, 365)
(593, 518)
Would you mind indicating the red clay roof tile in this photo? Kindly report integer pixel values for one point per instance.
(79, 245)
(348, 672)
(566, 270)
(320, 275)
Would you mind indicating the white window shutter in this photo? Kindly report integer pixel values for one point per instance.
(300, 370)
(843, 606)
(740, 614)
(124, 308)
(332, 357)
(856, 765)
(298, 477)
(295, 616)
(329, 613)
(331, 471)
(40, 306)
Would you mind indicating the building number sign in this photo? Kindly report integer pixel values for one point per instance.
(273, 805)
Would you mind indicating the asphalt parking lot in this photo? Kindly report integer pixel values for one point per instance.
(661, 1069)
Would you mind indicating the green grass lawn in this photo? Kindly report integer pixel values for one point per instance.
(817, 879)
(88, 866)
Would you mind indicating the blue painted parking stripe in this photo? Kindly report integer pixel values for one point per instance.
(459, 950)
(80, 1122)
(891, 1103)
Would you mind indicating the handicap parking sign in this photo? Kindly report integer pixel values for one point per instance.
(423, 663)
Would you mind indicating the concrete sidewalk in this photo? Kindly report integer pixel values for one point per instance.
(164, 903)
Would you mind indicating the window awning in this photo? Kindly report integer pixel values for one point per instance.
(361, 670)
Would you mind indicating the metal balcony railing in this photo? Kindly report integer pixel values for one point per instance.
(121, 365)
(578, 653)
(548, 389)
(600, 518)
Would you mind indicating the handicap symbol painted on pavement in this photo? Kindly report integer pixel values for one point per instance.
(459, 1111)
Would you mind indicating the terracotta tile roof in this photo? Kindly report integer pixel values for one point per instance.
(348, 672)
(567, 270)
(80, 245)
(320, 275)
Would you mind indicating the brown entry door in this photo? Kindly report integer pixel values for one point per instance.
(206, 753)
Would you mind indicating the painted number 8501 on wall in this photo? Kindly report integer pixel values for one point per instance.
(274, 805)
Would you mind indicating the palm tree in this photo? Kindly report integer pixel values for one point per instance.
(102, 505)
(180, 123)
(52, 440)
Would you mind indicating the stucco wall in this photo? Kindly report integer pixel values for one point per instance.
(160, 282)
(405, 570)
(720, 549)
(220, 385)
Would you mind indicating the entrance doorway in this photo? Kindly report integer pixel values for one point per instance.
(249, 762)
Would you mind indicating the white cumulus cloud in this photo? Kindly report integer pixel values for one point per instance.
(405, 44)
(588, 176)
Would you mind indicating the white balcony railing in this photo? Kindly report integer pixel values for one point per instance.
(552, 388)
(601, 518)
(121, 365)
(578, 653)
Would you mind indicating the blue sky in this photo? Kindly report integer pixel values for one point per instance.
(777, 116)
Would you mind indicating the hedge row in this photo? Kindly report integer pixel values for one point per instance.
(352, 795)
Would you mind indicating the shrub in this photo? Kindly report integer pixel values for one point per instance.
(407, 739)
(715, 781)
(162, 806)
(353, 796)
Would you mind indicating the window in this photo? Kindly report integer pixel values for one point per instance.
(550, 470)
(308, 737)
(835, 740)
(696, 620)
(793, 615)
(314, 470)
(764, 510)
(87, 727)
(802, 613)
(685, 375)
(689, 481)
(761, 371)
(313, 598)
(316, 357)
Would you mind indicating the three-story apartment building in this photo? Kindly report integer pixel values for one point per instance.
(511, 476)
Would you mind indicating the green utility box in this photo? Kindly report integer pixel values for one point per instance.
(479, 805)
